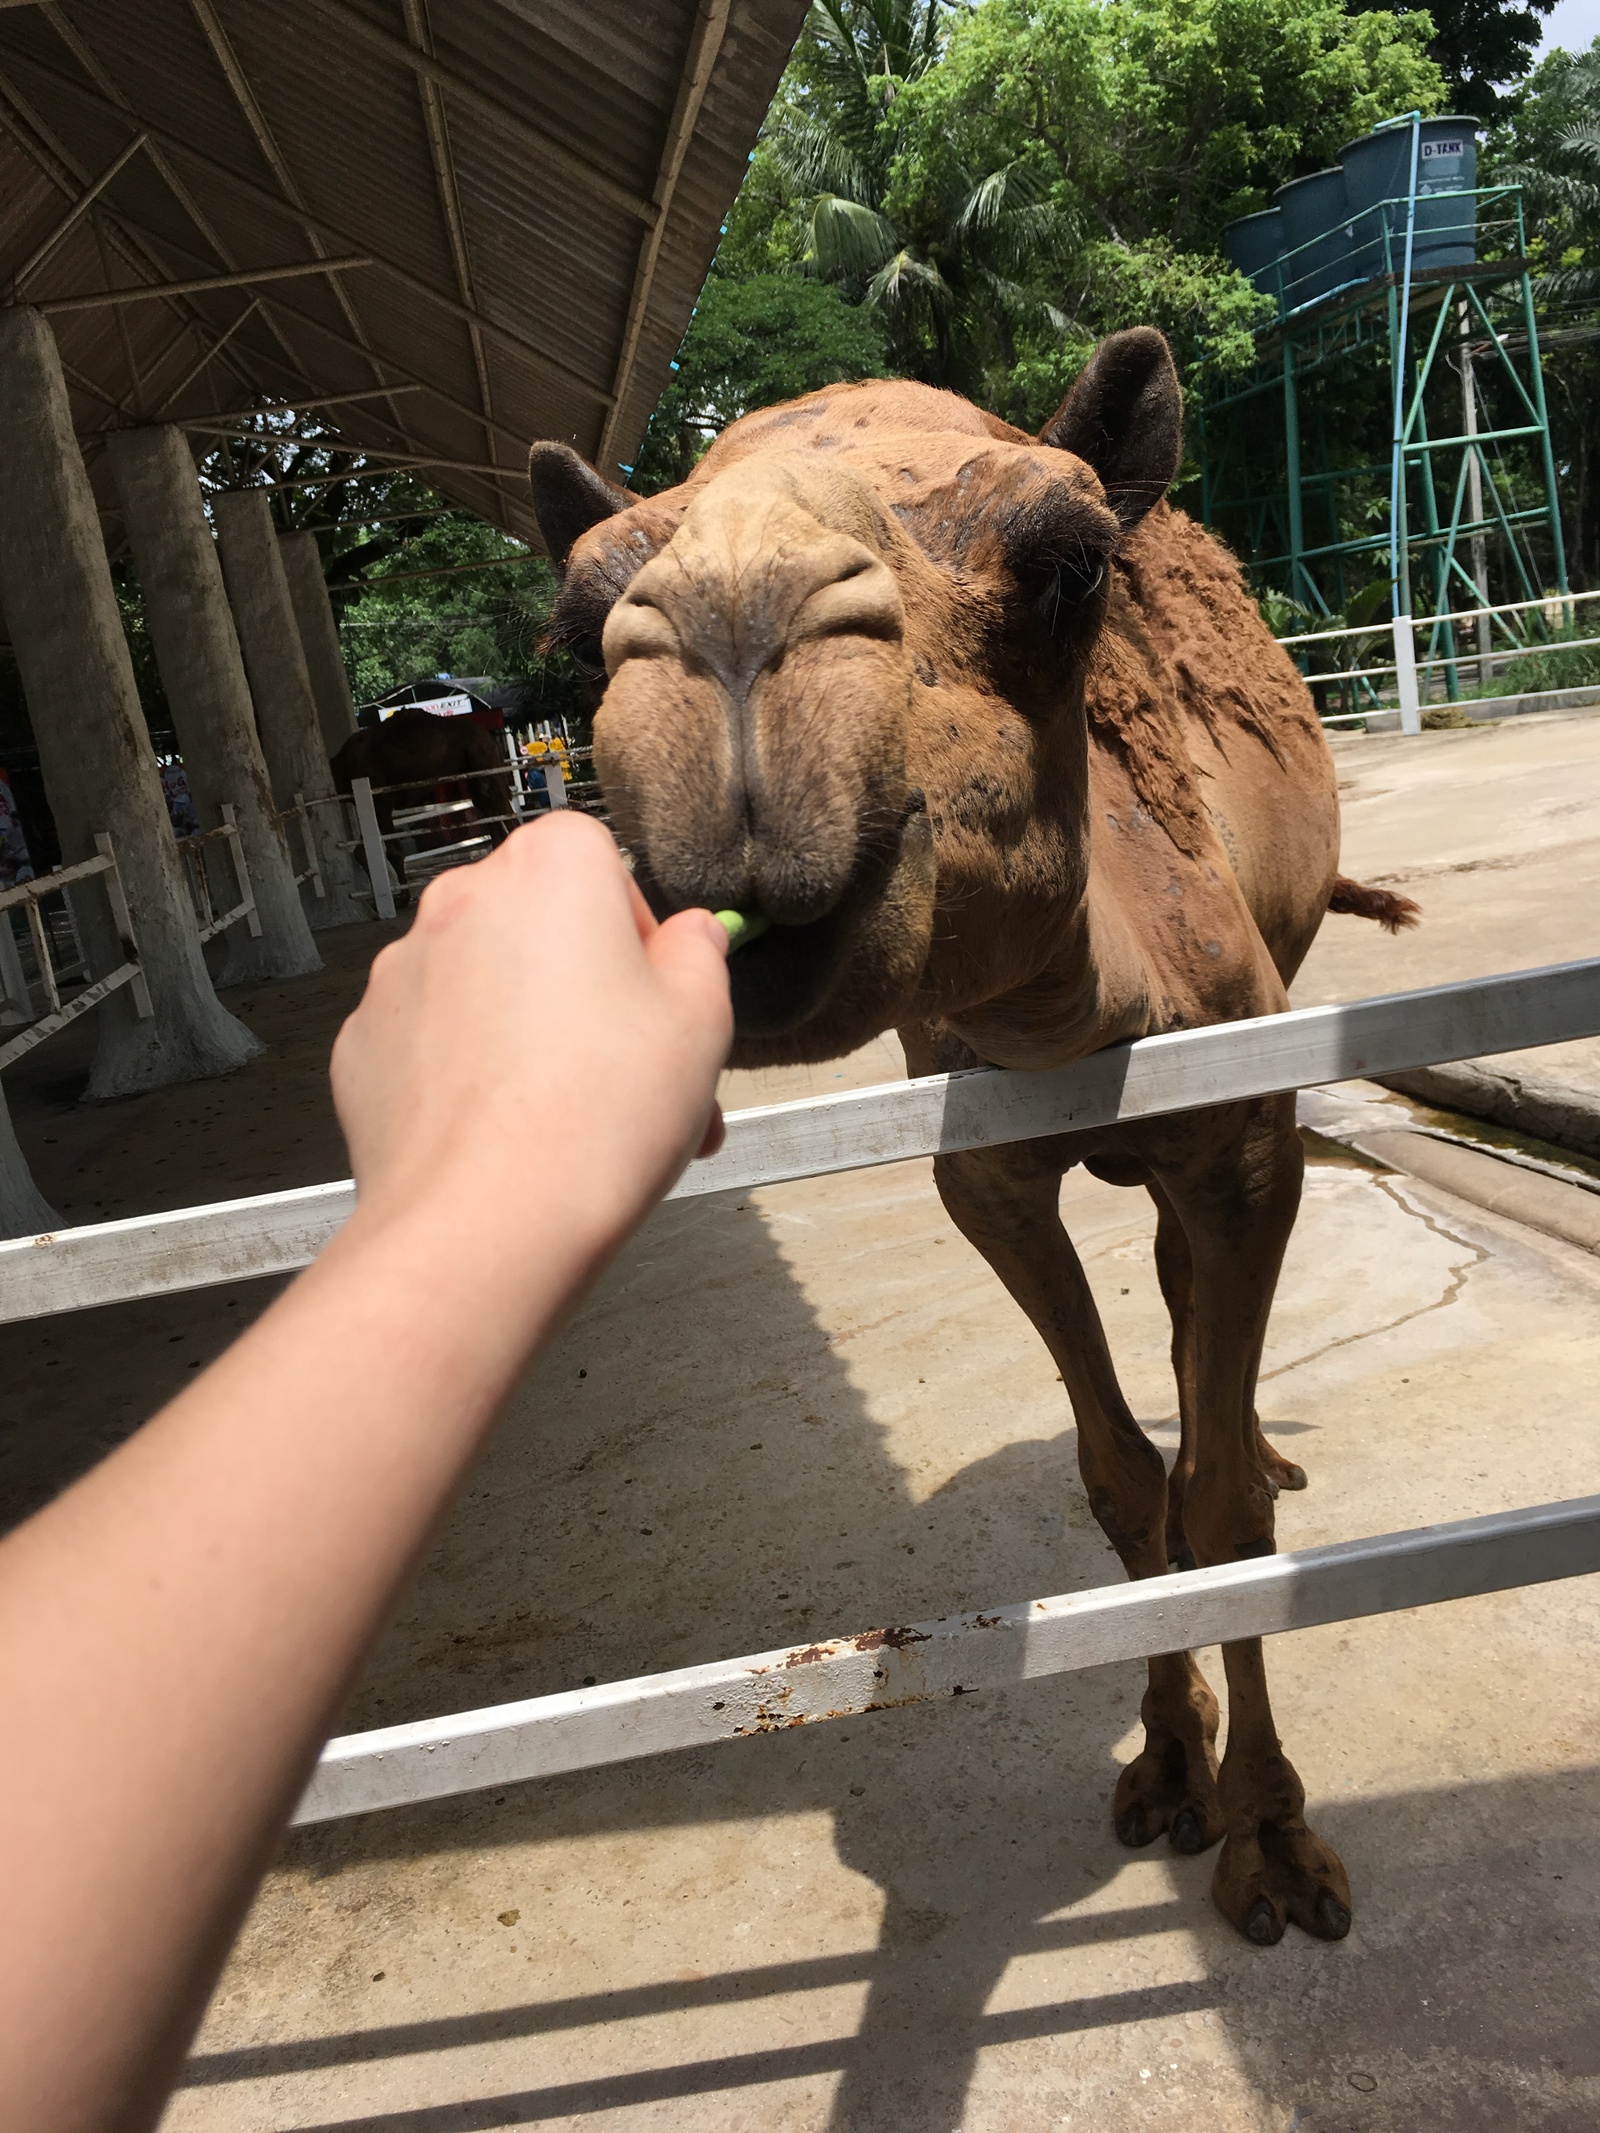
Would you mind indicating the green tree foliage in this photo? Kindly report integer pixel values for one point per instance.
(1550, 145)
(399, 621)
(1002, 184)
(1481, 46)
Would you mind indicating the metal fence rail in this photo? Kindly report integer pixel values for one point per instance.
(889, 1668)
(275, 1233)
(886, 1669)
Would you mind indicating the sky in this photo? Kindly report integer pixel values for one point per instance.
(1574, 24)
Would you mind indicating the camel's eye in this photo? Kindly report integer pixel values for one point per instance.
(1076, 581)
(1062, 585)
(587, 656)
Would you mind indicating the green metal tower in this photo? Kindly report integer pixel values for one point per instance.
(1430, 374)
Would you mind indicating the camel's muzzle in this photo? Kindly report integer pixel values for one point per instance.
(782, 980)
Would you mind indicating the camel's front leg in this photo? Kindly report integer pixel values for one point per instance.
(1238, 1213)
(1175, 1271)
(1006, 1201)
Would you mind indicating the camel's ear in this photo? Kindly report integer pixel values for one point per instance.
(1124, 416)
(569, 497)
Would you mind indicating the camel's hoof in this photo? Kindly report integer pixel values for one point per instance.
(1264, 1925)
(1278, 1874)
(1331, 1919)
(1188, 1834)
(1276, 1471)
(1136, 1827)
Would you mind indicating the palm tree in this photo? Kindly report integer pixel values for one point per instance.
(1573, 195)
(951, 288)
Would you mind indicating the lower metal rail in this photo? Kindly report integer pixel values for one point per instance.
(927, 1662)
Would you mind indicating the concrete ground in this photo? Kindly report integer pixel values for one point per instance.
(813, 1410)
(1495, 830)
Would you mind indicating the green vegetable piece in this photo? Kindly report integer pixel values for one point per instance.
(743, 927)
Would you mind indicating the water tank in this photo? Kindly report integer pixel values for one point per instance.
(1254, 245)
(1377, 177)
(1316, 237)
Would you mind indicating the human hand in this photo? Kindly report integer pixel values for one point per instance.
(536, 1055)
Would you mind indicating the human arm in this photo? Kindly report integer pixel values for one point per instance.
(178, 1631)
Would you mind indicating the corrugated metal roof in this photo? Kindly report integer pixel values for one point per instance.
(281, 131)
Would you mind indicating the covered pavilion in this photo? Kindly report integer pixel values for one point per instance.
(445, 231)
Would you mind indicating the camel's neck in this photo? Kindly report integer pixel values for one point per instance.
(1031, 963)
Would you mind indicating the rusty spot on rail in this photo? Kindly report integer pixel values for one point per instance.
(811, 1654)
(874, 1640)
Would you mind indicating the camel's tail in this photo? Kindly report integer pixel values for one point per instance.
(1392, 912)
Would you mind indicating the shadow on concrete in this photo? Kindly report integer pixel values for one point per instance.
(1454, 2034)
(683, 1471)
(75, 1386)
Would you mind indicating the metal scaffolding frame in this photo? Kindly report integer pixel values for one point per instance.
(1435, 339)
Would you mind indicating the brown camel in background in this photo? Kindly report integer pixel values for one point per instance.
(1000, 744)
(416, 747)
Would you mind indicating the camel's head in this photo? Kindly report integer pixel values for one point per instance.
(843, 667)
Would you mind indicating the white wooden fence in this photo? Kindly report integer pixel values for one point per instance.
(889, 1667)
(192, 851)
(58, 1013)
(1556, 611)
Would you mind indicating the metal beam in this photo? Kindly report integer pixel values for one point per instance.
(705, 42)
(277, 302)
(518, 343)
(245, 97)
(374, 582)
(287, 407)
(50, 155)
(106, 82)
(929, 1662)
(177, 391)
(444, 181)
(399, 466)
(392, 463)
(471, 98)
(79, 207)
(138, 293)
(1184, 1070)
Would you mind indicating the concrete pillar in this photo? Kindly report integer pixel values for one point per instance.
(319, 638)
(286, 710)
(94, 747)
(24, 1211)
(197, 651)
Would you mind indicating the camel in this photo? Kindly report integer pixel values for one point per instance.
(416, 747)
(996, 739)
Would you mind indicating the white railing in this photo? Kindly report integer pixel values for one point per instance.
(27, 895)
(192, 851)
(886, 1669)
(876, 1669)
(1555, 610)
(276, 1233)
(372, 839)
(300, 815)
